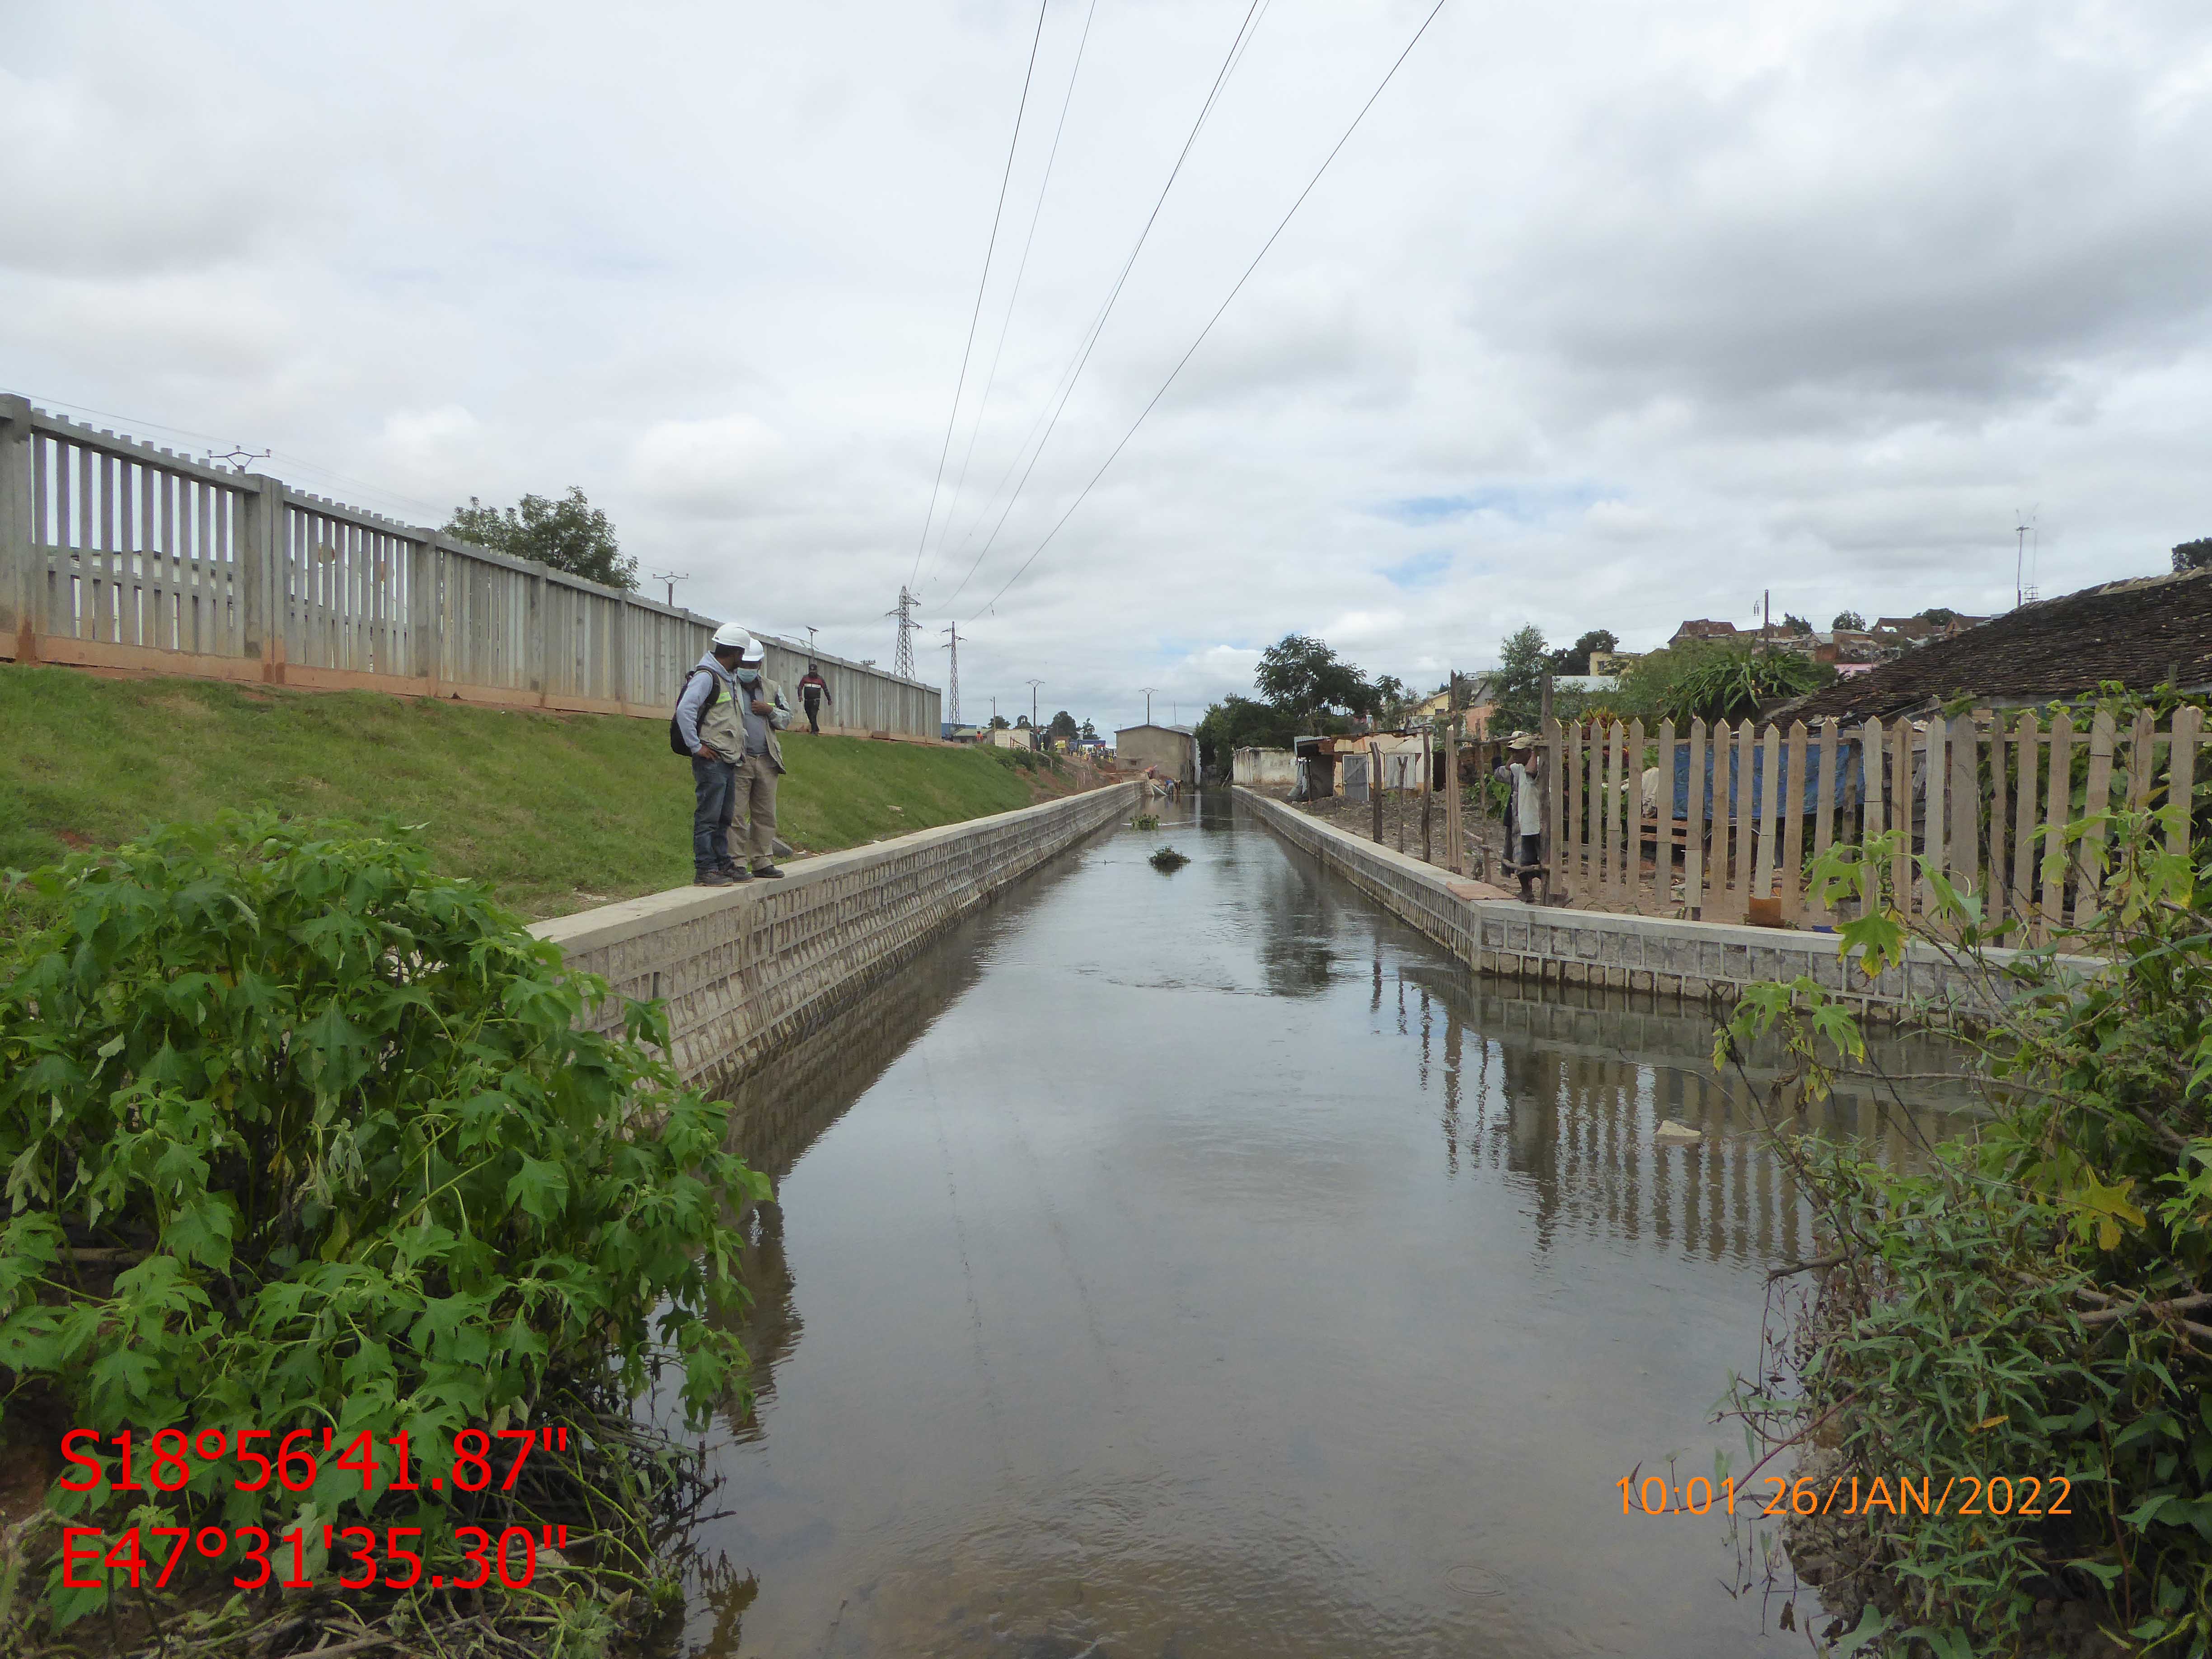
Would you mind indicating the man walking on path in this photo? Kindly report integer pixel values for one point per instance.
(814, 692)
(710, 726)
(765, 714)
(1523, 776)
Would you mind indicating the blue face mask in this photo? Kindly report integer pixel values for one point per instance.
(746, 676)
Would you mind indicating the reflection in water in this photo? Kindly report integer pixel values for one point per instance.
(1207, 1266)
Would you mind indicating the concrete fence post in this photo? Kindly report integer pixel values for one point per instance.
(422, 610)
(261, 573)
(533, 635)
(23, 575)
(618, 640)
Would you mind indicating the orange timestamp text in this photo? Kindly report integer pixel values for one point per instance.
(2031, 1496)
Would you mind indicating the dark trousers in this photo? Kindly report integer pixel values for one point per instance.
(714, 789)
(813, 701)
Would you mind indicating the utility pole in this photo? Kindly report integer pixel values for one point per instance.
(994, 713)
(673, 577)
(1033, 685)
(1767, 622)
(902, 659)
(952, 673)
(1147, 690)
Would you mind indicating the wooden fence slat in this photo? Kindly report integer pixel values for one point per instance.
(1608, 789)
(1935, 820)
(2059, 805)
(1694, 833)
(1746, 819)
(1831, 798)
(2090, 873)
(1900, 813)
(1793, 827)
(1720, 894)
(1633, 818)
(1663, 826)
(1964, 842)
(1768, 748)
(1871, 818)
(2000, 821)
(1572, 836)
(1594, 794)
(2181, 776)
(2143, 744)
(2026, 770)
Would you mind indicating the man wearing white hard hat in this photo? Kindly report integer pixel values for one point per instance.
(762, 706)
(709, 726)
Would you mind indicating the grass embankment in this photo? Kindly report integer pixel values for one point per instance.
(557, 812)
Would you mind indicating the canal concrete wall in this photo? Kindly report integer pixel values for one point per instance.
(1704, 962)
(745, 969)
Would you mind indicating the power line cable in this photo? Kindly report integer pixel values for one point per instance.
(1006, 323)
(989, 249)
(1064, 385)
(1220, 79)
(1388, 78)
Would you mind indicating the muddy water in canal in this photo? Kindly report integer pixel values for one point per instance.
(1205, 1265)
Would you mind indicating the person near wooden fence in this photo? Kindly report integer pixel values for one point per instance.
(1523, 775)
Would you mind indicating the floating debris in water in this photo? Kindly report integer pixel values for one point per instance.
(1669, 1129)
(1168, 860)
(1144, 821)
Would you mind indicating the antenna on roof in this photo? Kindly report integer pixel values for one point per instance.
(2023, 587)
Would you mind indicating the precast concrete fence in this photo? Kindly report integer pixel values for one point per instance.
(117, 554)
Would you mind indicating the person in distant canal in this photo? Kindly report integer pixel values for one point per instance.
(709, 726)
(814, 692)
(765, 714)
(1523, 776)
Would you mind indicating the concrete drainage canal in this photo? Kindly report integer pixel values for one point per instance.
(1195, 1263)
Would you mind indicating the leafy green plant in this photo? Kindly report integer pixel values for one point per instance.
(300, 1135)
(1729, 683)
(2032, 1304)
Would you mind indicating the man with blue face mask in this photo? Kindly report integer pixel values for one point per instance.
(760, 700)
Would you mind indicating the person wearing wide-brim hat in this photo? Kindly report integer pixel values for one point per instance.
(1523, 775)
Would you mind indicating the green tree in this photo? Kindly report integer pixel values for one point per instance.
(1090, 733)
(1941, 614)
(2193, 556)
(1849, 619)
(998, 723)
(1237, 723)
(1524, 660)
(1794, 623)
(570, 535)
(1063, 726)
(1304, 679)
(1575, 659)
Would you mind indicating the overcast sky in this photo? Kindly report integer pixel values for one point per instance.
(1608, 315)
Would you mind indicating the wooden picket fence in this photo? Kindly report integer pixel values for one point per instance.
(1719, 824)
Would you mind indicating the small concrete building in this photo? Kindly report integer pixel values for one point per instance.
(1172, 749)
(1009, 737)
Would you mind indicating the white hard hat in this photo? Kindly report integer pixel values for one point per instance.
(752, 652)
(729, 634)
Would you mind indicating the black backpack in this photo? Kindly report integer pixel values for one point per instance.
(675, 732)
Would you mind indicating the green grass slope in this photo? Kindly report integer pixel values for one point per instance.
(557, 812)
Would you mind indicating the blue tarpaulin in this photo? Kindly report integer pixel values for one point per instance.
(1844, 790)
